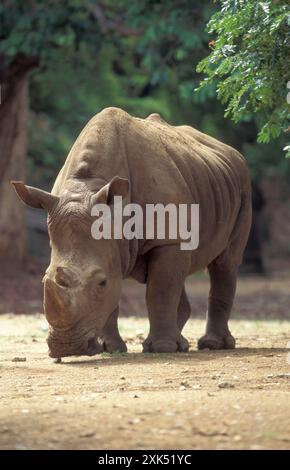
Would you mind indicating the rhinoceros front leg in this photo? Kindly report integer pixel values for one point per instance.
(223, 279)
(111, 339)
(167, 269)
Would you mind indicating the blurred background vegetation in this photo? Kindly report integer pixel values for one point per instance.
(78, 57)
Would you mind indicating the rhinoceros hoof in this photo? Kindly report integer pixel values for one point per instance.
(113, 345)
(165, 345)
(213, 341)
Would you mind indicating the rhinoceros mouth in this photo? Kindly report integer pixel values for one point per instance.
(62, 346)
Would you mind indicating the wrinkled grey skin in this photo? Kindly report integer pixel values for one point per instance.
(144, 161)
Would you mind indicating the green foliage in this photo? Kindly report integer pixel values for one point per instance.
(249, 62)
(40, 28)
(150, 72)
(173, 39)
(84, 68)
(64, 97)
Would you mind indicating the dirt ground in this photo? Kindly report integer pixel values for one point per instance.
(199, 400)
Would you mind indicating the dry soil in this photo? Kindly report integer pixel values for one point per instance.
(199, 400)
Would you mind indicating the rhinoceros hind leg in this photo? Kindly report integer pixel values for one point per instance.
(223, 279)
(110, 339)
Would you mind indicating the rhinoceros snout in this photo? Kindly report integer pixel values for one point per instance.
(64, 347)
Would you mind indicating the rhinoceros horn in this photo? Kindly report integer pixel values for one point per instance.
(54, 304)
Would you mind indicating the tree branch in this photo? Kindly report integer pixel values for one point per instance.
(107, 25)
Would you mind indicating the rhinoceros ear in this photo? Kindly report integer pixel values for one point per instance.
(116, 187)
(34, 197)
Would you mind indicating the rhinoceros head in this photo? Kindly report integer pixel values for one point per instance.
(82, 284)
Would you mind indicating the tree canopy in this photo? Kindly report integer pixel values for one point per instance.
(140, 56)
(249, 62)
(39, 29)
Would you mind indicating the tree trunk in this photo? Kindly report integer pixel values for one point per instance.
(13, 128)
(13, 146)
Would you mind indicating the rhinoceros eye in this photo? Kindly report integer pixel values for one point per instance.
(103, 283)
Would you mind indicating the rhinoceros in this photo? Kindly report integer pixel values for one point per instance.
(143, 161)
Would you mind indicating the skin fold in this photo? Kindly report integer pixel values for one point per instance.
(145, 161)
